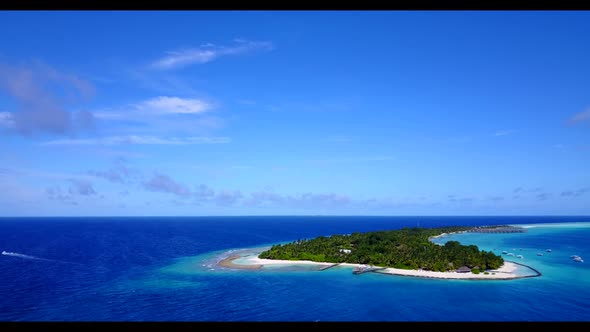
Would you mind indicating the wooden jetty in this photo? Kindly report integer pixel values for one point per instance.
(328, 266)
(499, 229)
(364, 268)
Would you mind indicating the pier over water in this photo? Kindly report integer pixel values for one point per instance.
(498, 229)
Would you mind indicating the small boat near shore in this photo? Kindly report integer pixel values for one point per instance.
(577, 258)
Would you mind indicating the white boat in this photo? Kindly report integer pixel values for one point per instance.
(539, 254)
(548, 250)
(577, 258)
(520, 256)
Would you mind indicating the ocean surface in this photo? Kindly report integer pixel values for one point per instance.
(164, 269)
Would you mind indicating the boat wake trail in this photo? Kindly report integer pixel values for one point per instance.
(16, 254)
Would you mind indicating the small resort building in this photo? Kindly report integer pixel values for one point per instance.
(463, 269)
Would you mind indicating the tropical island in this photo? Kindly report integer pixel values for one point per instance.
(407, 251)
(407, 248)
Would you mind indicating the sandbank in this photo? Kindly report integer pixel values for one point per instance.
(229, 263)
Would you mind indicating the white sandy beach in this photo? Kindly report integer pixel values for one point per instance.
(506, 271)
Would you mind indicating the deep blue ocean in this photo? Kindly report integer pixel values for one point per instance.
(163, 269)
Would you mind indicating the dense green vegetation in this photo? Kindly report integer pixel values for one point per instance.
(407, 248)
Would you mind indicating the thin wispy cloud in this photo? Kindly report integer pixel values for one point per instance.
(160, 116)
(175, 105)
(118, 174)
(135, 139)
(263, 198)
(164, 82)
(575, 193)
(157, 106)
(322, 200)
(579, 117)
(77, 189)
(43, 175)
(203, 194)
(503, 133)
(303, 201)
(522, 192)
(209, 52)
(353, 159)
(460, 200)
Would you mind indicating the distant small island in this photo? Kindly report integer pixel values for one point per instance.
(407, 251)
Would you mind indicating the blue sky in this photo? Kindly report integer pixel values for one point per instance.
(294, 113)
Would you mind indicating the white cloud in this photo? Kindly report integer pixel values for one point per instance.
(179, 58)
(157, 106)
(152, 119)
(209, 52)
(174, 105)
(135, 139)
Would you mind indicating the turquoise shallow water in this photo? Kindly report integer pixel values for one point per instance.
(164, 269)
(546, 247)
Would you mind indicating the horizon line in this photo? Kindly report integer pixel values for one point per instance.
(308, 215)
